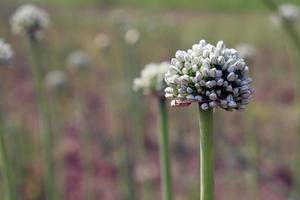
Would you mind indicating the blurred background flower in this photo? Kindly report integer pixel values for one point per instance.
(6, 53)
(29, 20)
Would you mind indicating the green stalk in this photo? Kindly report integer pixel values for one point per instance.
(38, 72)
(165, 163)
(126, 173)
(253, 152)
(9, 193)
(294, 37)
(206, 154)
(89, 176)
(287, 26)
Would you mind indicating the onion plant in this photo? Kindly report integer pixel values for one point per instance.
(213, 77)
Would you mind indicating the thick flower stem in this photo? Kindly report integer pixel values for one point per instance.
(165, 163)
(37, 72)
(206, 154)
(5, 163)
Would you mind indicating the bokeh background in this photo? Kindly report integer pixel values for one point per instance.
(106, 134)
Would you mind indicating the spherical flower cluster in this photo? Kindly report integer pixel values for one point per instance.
(56, 80)
(102, 41)
(289, 12)
(132, 36)
(152, 78)
(214, 76)
(6, 53)
(78, 61)
(29, 20)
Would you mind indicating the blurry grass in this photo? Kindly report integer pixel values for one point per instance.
(220, 5)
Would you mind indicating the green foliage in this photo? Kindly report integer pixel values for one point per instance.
(223, 5)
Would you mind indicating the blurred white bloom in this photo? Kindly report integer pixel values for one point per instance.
(102, 41)
(289, 12)
(132, 36)
(145, 172)
(213, 76)
(78, 61)
(6, 53)
(56, 80)
(246, 51)
(29, 20)
(152, 78)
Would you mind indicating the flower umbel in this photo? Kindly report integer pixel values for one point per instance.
(78, 61)
(102, 41)
(132, 36)
(6, 53)
(56, 80)
(29, 20)
(152, 78)
(214, 76)
(289, 12)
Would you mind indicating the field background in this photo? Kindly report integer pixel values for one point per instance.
(256, 150)
(200, 5)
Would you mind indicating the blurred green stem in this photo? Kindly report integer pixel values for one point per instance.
(125, 166)
(165, 163)
(38, 73)
(253, 151)
(206, 154)
(9, 193)
(287, 26)
(295, 40)
(86, 136)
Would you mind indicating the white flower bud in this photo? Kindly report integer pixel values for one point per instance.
(232, 104)
(198, 98)
(212, 104)
(221, 60)
(189, 90)
(231, 77)
(221, 45)
(190, 97)
(204, 106)
(213, 96)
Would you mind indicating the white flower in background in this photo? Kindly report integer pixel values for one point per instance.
(29, 20)
(214, 76)
(102, 41)
(246, 51)
(289, 12)
(6, 53)
(152, 78)
(132, 36)
(56, 80)
(78, 61)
